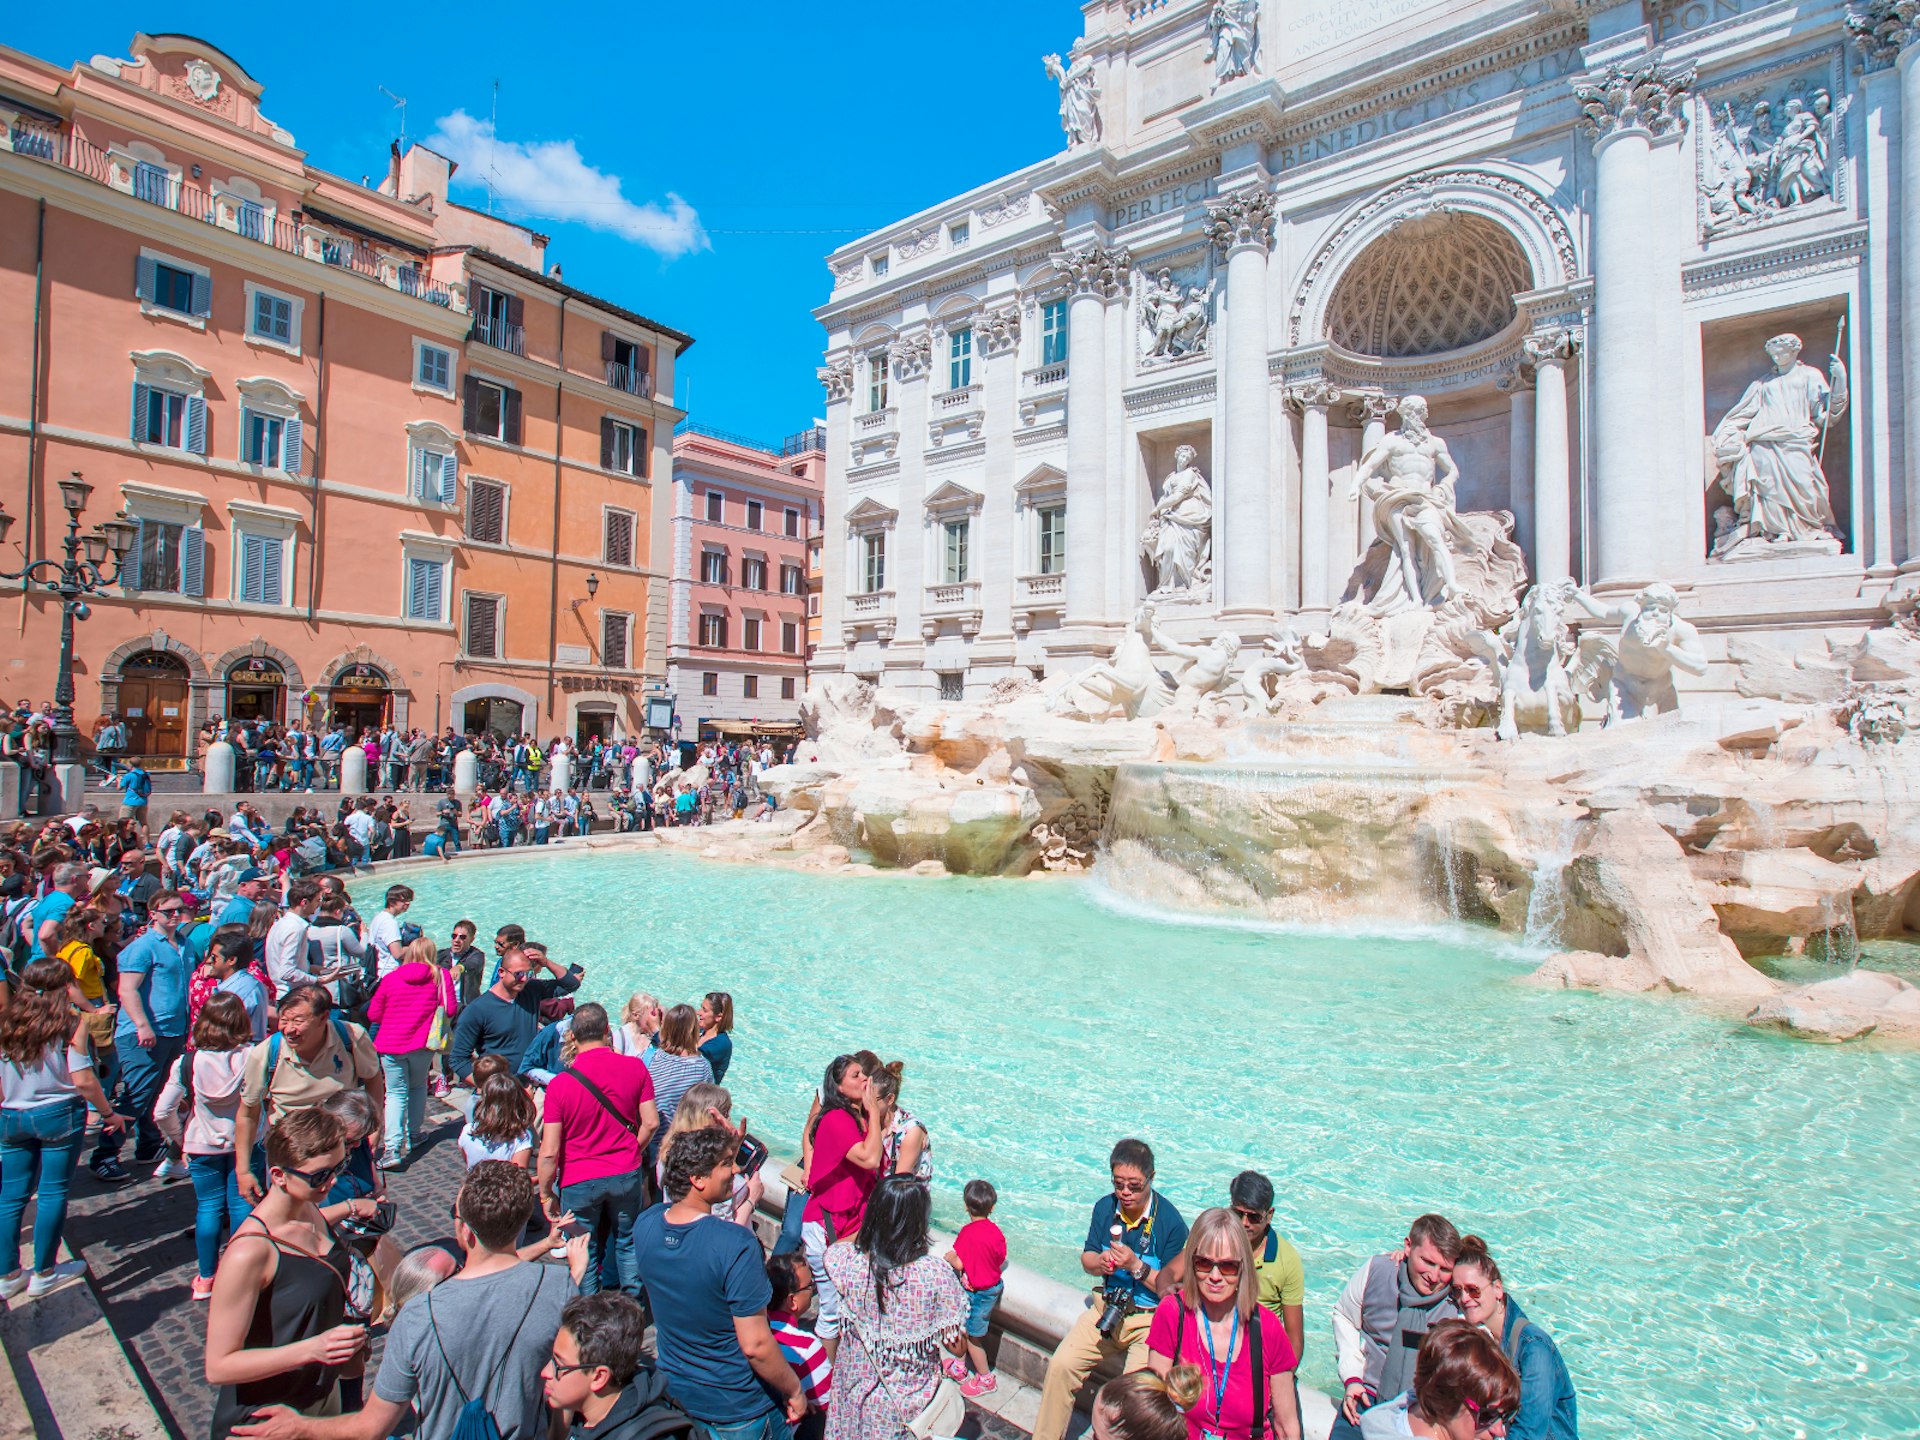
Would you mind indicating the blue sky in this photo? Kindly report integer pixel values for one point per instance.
(784, 130)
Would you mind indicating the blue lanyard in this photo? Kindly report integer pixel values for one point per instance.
(1220, 1380)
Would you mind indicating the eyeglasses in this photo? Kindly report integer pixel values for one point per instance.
(1208, 1264)
(1483, 1423)
(559, 1370)
(1129, 1187)
(315, 1179)
(171, 910)
(1253, 1217)
(1470, 1293)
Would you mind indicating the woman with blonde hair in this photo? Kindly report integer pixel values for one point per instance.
(641, 1020)
(414, 1000)
(1213, 1324)
(711, 1106)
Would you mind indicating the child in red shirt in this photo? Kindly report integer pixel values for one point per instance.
(980, 1255)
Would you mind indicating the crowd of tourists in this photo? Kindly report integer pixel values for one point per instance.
(248, 1030)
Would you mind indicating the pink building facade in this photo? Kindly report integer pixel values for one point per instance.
(743, 515)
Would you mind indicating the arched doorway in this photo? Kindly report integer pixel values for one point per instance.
(153, 701)
(256, 690)
(361, 698)
(493, 714)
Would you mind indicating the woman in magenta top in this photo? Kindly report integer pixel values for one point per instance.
(845, 1162)
(401, 1011)
(1212, 1324)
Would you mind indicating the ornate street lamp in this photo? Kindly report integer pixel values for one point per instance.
(80, 574)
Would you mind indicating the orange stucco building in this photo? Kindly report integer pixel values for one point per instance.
(384, 463)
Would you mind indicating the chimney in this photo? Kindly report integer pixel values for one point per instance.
(392, 187)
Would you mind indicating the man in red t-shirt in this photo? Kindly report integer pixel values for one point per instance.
(600, 1115)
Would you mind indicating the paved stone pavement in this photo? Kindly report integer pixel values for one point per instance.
(138, 1241)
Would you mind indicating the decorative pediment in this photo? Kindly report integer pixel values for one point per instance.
(166, 365)
(870, 514)
(951, 497)
(1042, 481)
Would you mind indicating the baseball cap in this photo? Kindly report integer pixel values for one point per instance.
(252, 872)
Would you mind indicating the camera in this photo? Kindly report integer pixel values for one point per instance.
(1116, 1304)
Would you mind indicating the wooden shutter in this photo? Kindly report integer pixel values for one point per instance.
(193, 561)
(619, 538)
(608, 342)
(295, 446)
(250, 558)
(486, 512)
(142, 398)
(271, 554)
(516, 311)
(196, 425)
(606, 442)
(436, 578)
(511, 408)
(483, 627)
(643, 455)
(130, 567)
(613, 641)
(146, 274)
(470, 404)
(449, 479)
(202, 294)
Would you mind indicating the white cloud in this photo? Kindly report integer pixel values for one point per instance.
(549, 179)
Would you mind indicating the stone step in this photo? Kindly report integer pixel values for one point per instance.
(67, 1377)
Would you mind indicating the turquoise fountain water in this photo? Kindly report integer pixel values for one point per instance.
(1718, 1226)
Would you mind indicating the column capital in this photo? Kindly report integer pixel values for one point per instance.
(1313, 395)
(1516, 378)
(998, 329)
(1552, 347)
(1646, 94)
(910, 356)
(1375, 408)
(1243, 222)
(837, 376)
(1096, 269)
(1883, 29)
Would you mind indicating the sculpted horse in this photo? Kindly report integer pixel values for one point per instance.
(1534, 647)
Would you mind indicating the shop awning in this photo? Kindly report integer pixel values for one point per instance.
(752, 727)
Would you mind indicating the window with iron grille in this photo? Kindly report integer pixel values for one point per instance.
(953, 684)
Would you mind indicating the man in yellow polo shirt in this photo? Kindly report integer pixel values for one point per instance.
(1283, 1280)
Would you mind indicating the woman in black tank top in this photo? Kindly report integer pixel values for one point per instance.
(290, 1301)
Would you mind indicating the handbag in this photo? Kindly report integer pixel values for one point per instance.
(944, 1413)
(440, 1028)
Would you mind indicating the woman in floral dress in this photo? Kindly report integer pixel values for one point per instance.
(900, 1307)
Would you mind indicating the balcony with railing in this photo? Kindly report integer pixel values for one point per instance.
(1045, 377)
(632, 379)
(802, 442)
(1037, 595)
(873, 609)
(290, 233)
(500, 333)
(953, 600)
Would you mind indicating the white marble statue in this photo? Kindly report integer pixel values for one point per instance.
(1176, 318)
(1408, 482)
(1754, 169)
(1178, 540)
(1079, 98)
(1278, 658)
(1120, 686)
(1768, 451)
(1207, 673)
(1233, 39)
(1632, 671)
(1532, 650)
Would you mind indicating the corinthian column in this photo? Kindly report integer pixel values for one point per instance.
(1313, 401)
(1243, 564)
(1886, 31)
(1640, 517)
(1097, 274)
(1552, 482)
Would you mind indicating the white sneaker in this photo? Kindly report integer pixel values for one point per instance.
(52, 1280)
(170, 1170)
(12, 1285)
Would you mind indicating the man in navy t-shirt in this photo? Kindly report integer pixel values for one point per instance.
(707, 1283)
(1133, 1247)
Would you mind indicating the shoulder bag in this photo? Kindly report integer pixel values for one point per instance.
(632, 1127)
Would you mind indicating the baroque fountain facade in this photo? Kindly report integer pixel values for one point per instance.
(1421, 462)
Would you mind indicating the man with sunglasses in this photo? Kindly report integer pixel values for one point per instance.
(152, 1030)
(1283, 1279)
(495, 1024)
(1384, 1315)
(1133, 1247)
(466, 960)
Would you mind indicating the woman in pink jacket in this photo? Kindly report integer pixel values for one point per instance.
(402, 1011)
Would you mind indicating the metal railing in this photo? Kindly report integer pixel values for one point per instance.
(245, 218)
(500, 334)
(800, 442)
(633, 379)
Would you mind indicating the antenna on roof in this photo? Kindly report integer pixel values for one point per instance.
(493, 141)
(400, 104)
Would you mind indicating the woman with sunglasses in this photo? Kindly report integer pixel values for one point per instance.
(1212, 1324)
(1548, 1407)
(1463, 1389)
(290, 1301)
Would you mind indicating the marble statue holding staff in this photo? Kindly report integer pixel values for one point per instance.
(1079, 98)
(1768, 450)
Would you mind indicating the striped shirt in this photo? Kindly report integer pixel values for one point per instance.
(807, 1356)
(673, 1076)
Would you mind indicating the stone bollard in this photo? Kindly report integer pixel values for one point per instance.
(9, 790)
(560, 772)
(466, 775)
(69, 788)
(217, 766)
(353, 771)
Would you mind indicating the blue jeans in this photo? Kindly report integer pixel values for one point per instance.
(608, 1208)
(217, 1203)
(789, 1240)
(39, 1151)
(406, 1100)
(144, 1071)
(770, 1426)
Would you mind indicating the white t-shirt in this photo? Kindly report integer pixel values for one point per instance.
(474, 1149)
(360, 825)
(286, 956)
(384, 935)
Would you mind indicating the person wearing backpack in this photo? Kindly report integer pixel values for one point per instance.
(595, 1376)
(313, 1055)
(195, 1112)
(463, 1360)
(599, 1117)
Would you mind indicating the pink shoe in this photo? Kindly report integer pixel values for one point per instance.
(957, 1369)
(203, 1287)
(974, 1386)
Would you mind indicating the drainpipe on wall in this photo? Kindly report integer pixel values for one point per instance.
(33, 405)
(553, 564)
(319, 453)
